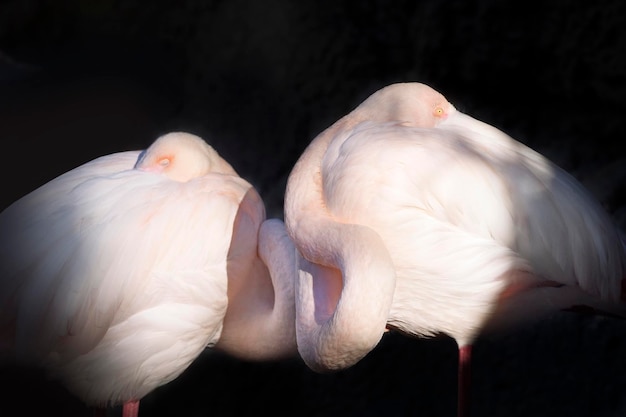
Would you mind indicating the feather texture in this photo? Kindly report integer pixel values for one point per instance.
(116, 275)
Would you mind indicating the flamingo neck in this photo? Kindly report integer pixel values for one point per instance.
(259, 321)
(346, 279)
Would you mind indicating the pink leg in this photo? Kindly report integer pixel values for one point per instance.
(130, 408)
(465, 357)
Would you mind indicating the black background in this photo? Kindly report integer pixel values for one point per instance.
(258, 80)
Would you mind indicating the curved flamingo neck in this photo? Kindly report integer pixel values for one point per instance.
(346, 279)
(259, 321)
(278, 253)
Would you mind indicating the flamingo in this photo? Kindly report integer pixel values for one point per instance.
(117, 274)
(410, 215)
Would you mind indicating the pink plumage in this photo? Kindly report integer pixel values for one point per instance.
(414, 216)
(116, 275)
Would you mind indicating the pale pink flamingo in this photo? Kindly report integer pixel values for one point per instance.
(117, 274)
(413, 216)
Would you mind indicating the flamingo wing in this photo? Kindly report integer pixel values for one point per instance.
(464, 221)
(559, 226)
(111, 244)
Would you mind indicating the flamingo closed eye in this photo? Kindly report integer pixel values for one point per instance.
(116, 275)
(412, 215)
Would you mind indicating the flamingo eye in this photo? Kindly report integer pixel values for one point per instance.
(438, 111)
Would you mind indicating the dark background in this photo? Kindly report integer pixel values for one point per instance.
(258, 80)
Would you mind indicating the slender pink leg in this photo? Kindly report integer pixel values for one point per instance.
(130, 408)
(465, 357)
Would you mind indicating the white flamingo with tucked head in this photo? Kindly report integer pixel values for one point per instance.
(414, 216)
(117, 274)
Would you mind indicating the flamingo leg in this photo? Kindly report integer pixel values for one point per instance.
(465, 357)
(130, 408)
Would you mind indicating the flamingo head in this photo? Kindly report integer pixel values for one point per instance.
(182, 157)
(412, 104)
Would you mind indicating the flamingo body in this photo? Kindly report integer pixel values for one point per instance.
(115, 275)
(412, 215)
